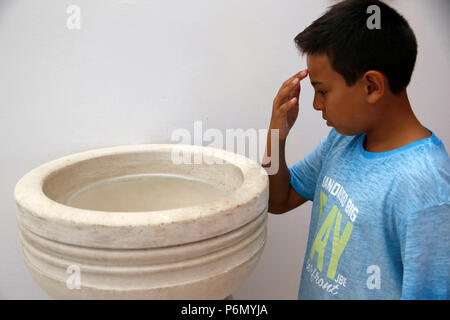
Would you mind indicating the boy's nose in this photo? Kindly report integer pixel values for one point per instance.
(317, 107)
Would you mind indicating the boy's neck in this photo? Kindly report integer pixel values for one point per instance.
(397, 127)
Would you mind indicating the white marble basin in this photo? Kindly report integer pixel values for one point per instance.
(136, 225)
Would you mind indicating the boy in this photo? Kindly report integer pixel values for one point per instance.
(380, 181)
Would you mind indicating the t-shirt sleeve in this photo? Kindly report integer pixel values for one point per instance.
(425, 253)
(304, 173)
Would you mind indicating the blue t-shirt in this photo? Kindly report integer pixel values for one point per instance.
(380, 221)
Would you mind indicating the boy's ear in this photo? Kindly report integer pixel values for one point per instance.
(374, 84)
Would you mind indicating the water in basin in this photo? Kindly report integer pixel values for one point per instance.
(144, 193)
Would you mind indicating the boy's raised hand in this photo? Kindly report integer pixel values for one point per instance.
(285, 105)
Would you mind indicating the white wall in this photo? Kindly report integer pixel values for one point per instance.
(137, 70)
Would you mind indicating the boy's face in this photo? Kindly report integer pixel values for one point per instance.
(345, 108)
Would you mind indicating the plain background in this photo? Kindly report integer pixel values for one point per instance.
(137, 70)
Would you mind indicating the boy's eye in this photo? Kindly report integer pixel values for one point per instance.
(321, 92)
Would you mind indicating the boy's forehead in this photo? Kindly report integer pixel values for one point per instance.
(319, 67)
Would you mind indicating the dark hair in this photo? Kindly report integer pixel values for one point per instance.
(353, 49)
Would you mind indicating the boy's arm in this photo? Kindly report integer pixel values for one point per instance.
(282, 196)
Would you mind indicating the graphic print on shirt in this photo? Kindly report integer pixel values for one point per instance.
(325, 275)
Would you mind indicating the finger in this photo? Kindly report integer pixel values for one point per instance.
(301, 74)
(288, 104)
(283, 93)
(295, 92)
(293, 83)
(292, 90)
